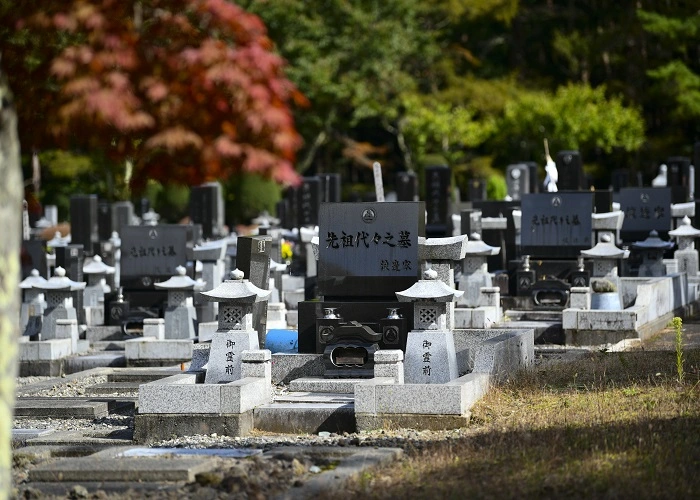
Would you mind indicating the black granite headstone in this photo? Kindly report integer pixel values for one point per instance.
(533, 169)
(83, 220)
(477, 190)
(122, 215)
(207, 209)
(469, 224)
(104, 220)
(646, 210)
(437, 201)
(556, 225)
(570, 170)
(407, 186)
(33, 256)
(151, 253)
(330, 187)
(70, 258)
(602, 200)
(517, 180)
(505, 240)
(679, 179)
(308, 200)
(253, 258)
(369, 249)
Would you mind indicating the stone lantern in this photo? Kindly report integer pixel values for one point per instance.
(686, 255)
(605, 256)
(430, 349)
(59, 301)
(33, 303)
(236, 332)
(180, 314)
(212, 255)
(652, 250)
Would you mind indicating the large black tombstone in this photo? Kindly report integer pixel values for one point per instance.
(407, 186)
(367, 253)
(83, 222)
(105, 220)
(150, 254)
(518, 180)
(570, 170)
(476, 190)
(33, 256)
(253, 258)
(122, 215)
(207, 209)
(556, 225)
(308, 200)
(70, 258)
(505, 240)
(330, 187)
(646, 210)
(623, 178)
(437, 201)
(533, 170)
(679, 179)
(602, 200)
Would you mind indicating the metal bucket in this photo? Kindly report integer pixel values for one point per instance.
(606, 301)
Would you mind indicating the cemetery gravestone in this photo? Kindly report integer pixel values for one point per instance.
(556, 225)
(646, 210)
(207, 209)
(330, 187)
(406, 186)
(496, 238)
(122, 215)
(570, 168)
(437, 196)
(308, 200)
(681, 179)
(517, 180)
(70, 258)
(253, 259)
(84, 224)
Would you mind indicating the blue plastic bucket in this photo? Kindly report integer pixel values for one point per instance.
(286, 341)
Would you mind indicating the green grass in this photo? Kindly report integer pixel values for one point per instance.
(607, 425)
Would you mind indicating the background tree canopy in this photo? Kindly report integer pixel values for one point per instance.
(205, 89)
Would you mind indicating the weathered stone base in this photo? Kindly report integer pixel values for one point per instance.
(159, 426)
(309, 419)
(42, 368)
(142, 363)
(367, 422)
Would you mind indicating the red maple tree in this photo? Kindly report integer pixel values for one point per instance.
(190, 91)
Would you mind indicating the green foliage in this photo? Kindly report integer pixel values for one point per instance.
(247, 196)
(677, 324)
(574, 117)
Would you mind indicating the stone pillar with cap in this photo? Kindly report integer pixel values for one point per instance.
(33, 304)
(59, 301)
(475, 274)
(652, 250)
(430, 349)
(94, 293)
(686, 255)
(180, 314)
(605, 256)
(442, 255)
(236, 332)
(211, 254)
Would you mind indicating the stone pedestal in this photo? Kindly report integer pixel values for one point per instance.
(225, 355)
(430, 357)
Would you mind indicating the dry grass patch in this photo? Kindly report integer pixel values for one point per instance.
(613, 425)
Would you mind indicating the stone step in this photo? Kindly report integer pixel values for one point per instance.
(313, 397)
(142, 375)
(333, 385)
(127, 469)
(546, 332)
(108, 345)
(518, 315)
(53, 407)
(311, 418)
(113, 388)
(76, 364)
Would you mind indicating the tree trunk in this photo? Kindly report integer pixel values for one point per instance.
(11, 193)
